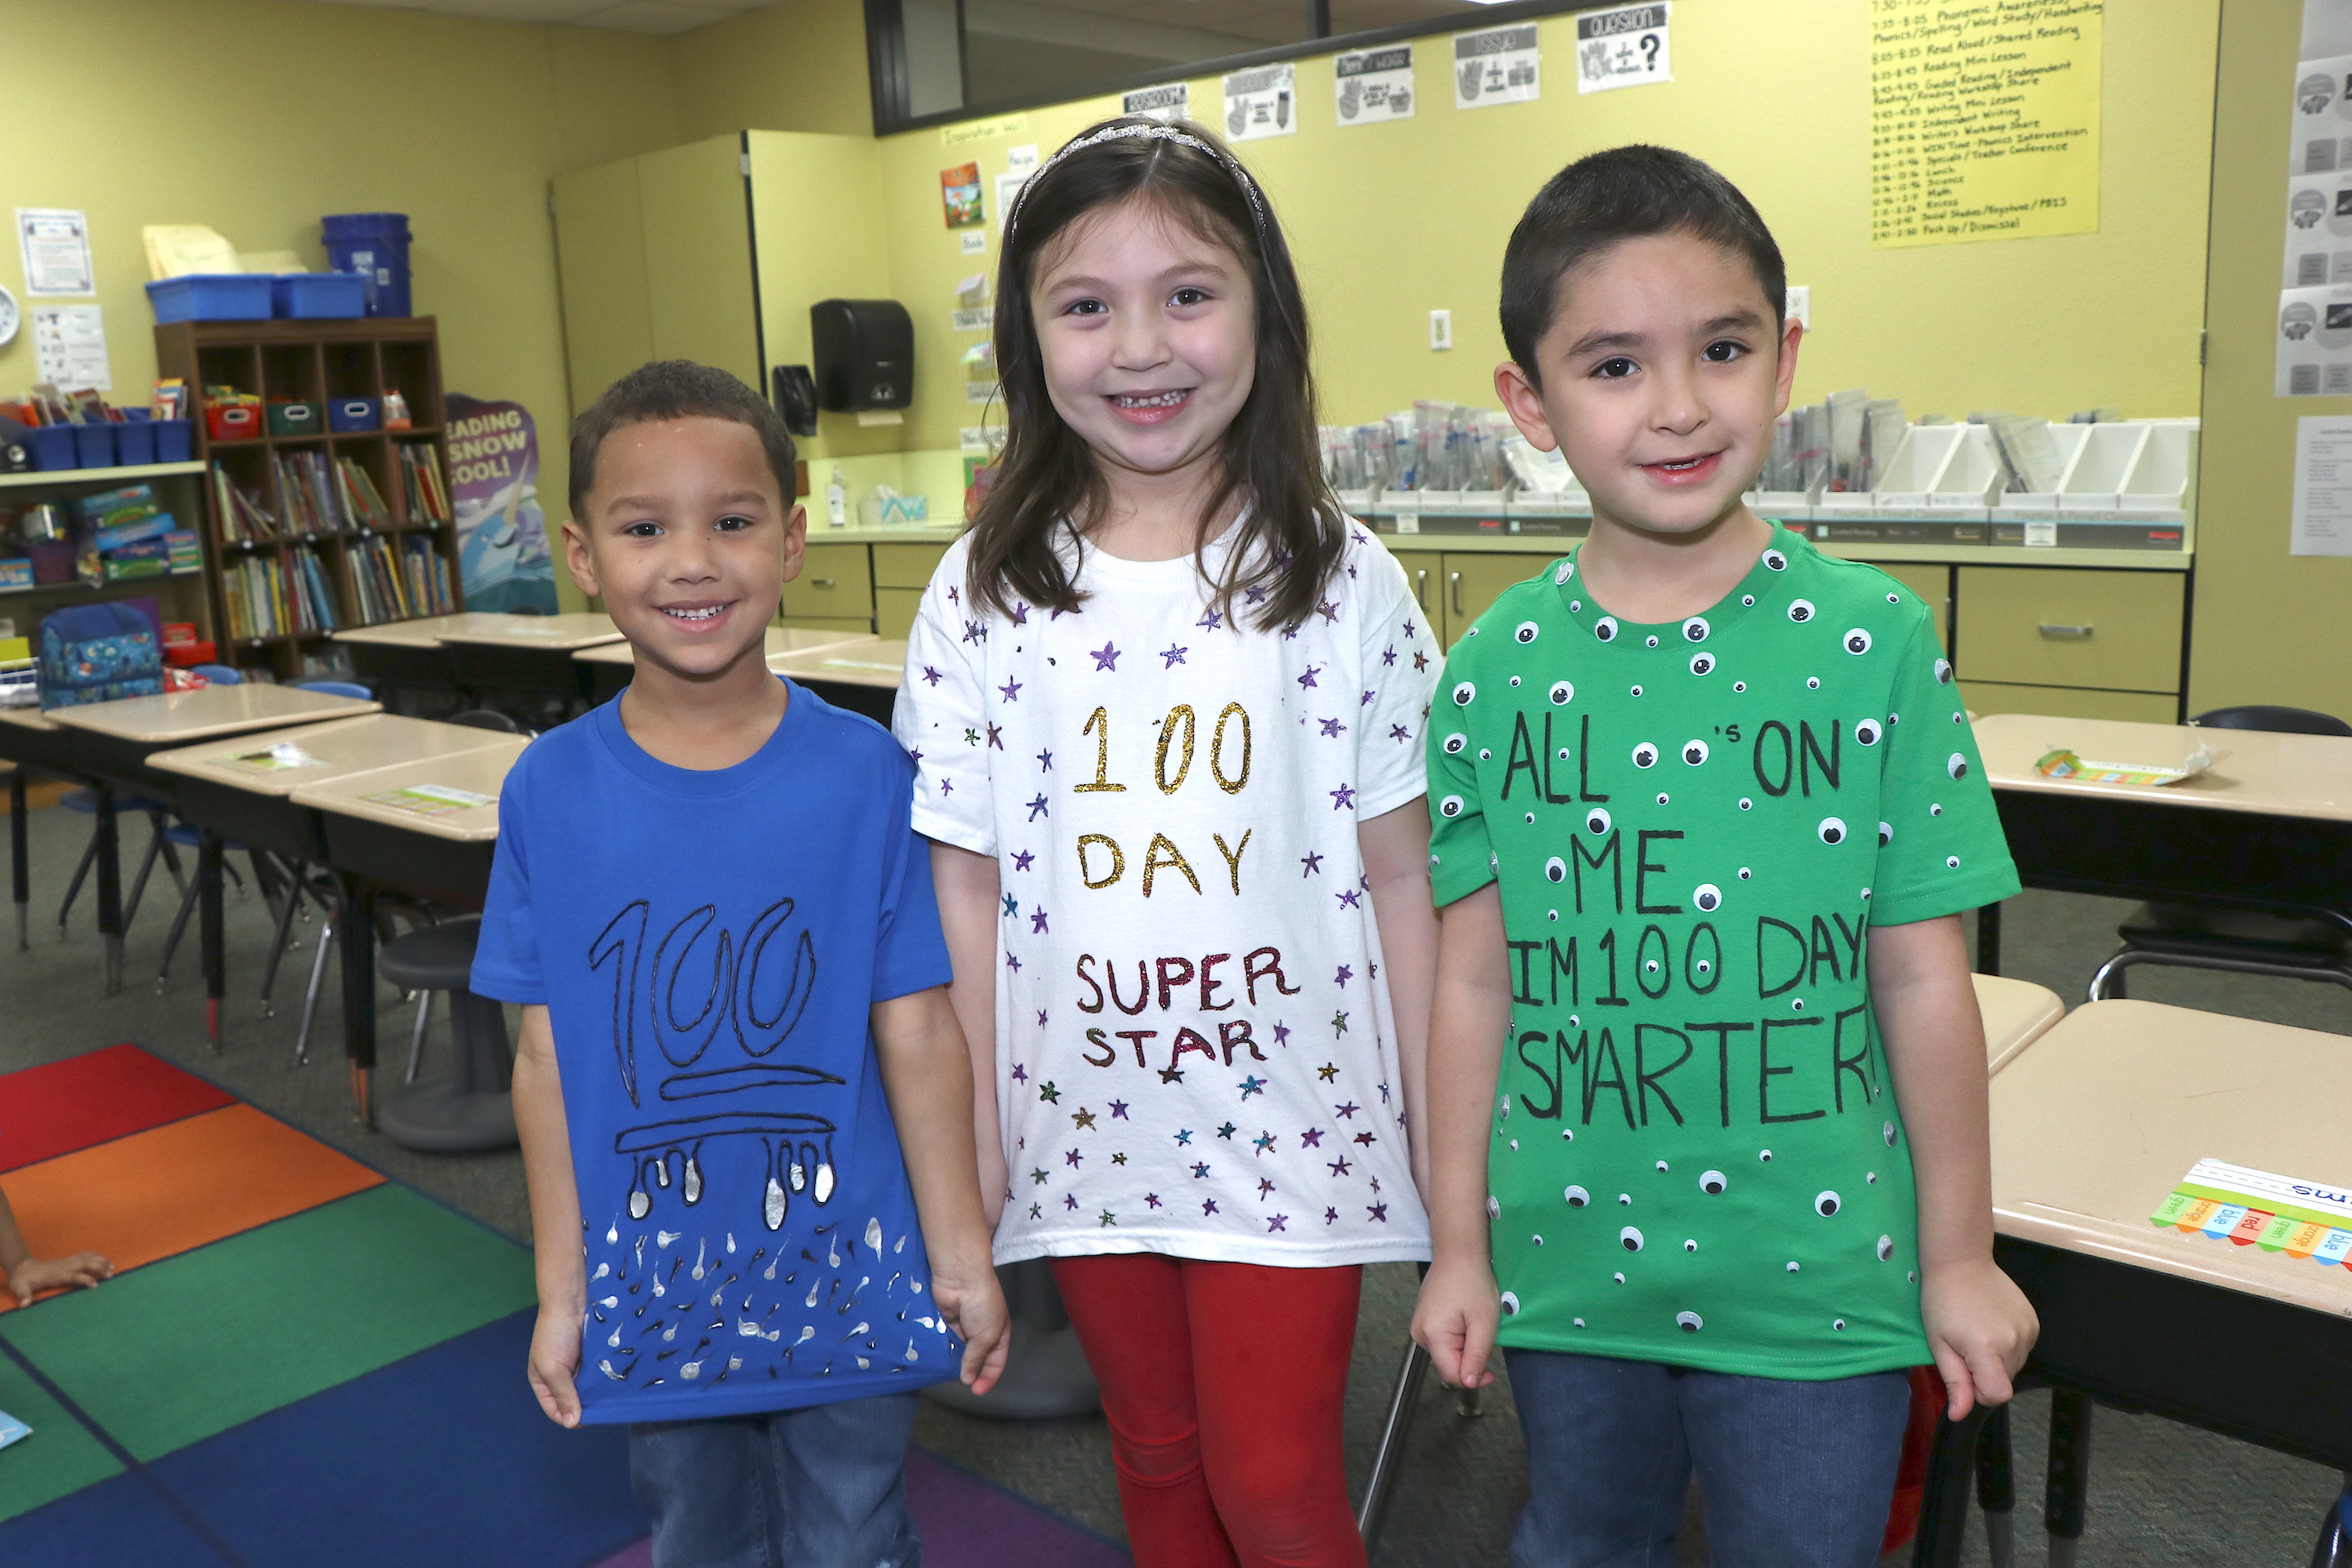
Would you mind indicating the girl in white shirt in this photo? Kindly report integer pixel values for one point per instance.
(1165, 702)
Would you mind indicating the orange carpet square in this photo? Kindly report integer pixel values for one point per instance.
(172, 1188)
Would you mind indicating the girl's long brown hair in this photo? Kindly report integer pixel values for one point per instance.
(1288, 543)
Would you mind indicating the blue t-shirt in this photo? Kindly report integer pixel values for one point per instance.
(708, 944)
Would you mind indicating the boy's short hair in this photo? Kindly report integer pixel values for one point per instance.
(679, 389)
(1623, 194)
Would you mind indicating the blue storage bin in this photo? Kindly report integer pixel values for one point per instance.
(319, 296)
(53, 447)
(173, 440)
(374, 245)
(353, 412)
(211, 297)
(134, 442)
(93, 446)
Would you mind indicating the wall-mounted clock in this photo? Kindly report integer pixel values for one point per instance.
(9, 315)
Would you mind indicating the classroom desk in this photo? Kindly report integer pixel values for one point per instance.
(2255, 1345)
(110, 743)
(863, 679)
(387, 826)
(2269, 827)
(608, 666)
(2016, 1013)
(30, 739)
(242, 788)
(409, 653)
(525, 653)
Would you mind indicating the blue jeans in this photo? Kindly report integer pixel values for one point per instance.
(1795, 1474)
(824, 1486)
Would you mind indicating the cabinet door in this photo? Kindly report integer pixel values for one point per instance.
(600, 258)
(836, 588)
(2031, 626)
(906, 567)
(1425, 570)
(1985, 696)
(1474, 581)
(699, 286)
(894, 610)
(1933, 583)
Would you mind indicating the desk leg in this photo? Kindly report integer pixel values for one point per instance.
(1944, 1507)
(110, 884)
(355, 923)
(2070, 1473)
(1997, 1490)
(19, 873)
(1988, 939)
(2334, 1548)
(208, 931)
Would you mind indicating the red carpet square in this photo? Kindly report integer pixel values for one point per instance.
(92, 1099)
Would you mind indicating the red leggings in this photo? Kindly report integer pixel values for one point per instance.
(1224, 1384)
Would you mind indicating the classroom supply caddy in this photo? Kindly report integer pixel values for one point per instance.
(328, 521)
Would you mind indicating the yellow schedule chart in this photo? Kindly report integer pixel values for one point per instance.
(1984, 119)
(2255, 1208)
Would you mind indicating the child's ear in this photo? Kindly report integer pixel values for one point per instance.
(1784, 375)
(579, 560)
(1524, 404)
(796, 540)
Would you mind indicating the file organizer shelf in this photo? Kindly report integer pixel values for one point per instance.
(308, 533)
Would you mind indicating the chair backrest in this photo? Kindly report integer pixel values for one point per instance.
(2282, 721)
(220, 674)
(351, 688)
(486, 718)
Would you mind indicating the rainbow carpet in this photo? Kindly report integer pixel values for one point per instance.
(303, 1361)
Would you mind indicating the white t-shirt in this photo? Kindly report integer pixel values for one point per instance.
(1194, 1049)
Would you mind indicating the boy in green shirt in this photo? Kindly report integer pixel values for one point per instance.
(1707, 1078)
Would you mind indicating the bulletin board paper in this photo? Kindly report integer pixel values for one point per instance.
(1984, 123)
(1169, 102)
(1503, 65)
(69, 347)
(1623, 46)
(2323, 117)
(1262, 102)
(2323, 488)
(55, 243)
(1373, 85)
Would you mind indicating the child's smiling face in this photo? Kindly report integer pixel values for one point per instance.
(1146, 331)
(1660, 382)
(689, 540)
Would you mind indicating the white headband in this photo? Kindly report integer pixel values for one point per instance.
(1149, 133)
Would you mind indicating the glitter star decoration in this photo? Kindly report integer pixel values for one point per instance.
(1105, 657)
(1252, 1085)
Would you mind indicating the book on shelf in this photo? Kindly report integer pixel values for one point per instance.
(361, 501)
(242, 518)
(398, 582)
(428, 495)
(262, 603)
(312, 490)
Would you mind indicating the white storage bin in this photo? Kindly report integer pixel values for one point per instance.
(1903, 486)
(1969, 482)
(2094, 481)
(2068, 440)
(2160, 483)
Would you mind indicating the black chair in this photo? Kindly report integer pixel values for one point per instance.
(2242, 942)
(472, 1108)
(486, 718)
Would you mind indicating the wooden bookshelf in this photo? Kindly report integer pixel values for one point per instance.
(321, 360)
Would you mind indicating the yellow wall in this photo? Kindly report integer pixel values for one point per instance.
(318, 109)
(1390, 221)
(798, 66)
(2268, 627)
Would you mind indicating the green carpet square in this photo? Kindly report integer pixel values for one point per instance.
(174, 1352)
(60, 1456)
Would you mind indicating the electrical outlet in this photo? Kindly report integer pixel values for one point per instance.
(1441, 329)
(1800, 305)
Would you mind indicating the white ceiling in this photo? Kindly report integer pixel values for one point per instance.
(622, 15)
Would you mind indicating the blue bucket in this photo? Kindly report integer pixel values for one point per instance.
(375, 244)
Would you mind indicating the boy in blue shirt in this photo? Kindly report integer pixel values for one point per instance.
(1707, 1097)
(738, 1082)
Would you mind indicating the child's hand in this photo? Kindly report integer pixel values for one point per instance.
(1981, 1327)
(1455, 1318)
(974, 1305)
(555, 1363)
(35, 1275)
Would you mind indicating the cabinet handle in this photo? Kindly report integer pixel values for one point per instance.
(2072, 634)
(828, 583)
(1454, 581)
(1421, 587)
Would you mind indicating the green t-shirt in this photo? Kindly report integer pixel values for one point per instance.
(1696, 1157)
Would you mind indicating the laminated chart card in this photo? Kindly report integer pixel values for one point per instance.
(2257, 1208)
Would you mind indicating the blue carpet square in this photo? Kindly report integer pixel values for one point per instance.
(120, 1520)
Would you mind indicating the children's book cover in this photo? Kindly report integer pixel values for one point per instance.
(960, 194)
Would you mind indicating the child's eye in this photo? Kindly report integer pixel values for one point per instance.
(1085, 308)
(1723, 352)
(1614, 368)
(732, 524)
(1188, 295)
(641, 530)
